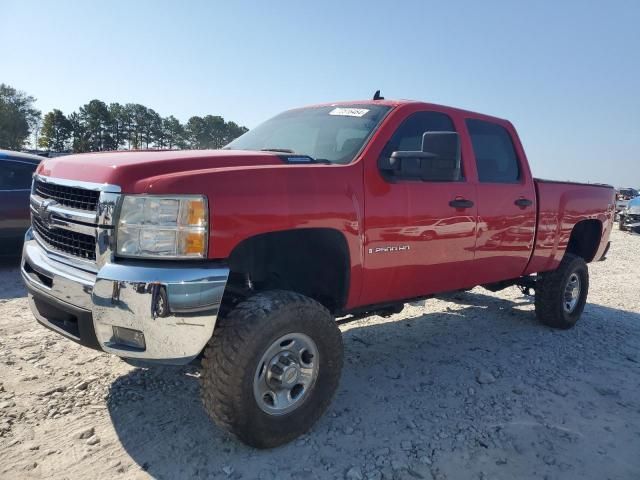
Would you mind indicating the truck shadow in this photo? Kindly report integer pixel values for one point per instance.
(402, 378)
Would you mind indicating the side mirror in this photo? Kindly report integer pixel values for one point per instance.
(439, 160)
(445, 147)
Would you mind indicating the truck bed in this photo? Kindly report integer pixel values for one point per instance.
(561, 205)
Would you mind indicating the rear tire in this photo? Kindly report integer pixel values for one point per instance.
(562, 293)
(247, 368)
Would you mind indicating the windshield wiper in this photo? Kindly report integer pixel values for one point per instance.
(283, 150)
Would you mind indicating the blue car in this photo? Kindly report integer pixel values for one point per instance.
(16, 171)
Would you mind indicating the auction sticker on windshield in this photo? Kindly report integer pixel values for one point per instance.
(349, 112)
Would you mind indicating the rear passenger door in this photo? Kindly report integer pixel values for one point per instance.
(506, 202)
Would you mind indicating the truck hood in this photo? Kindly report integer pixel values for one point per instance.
(130, 170)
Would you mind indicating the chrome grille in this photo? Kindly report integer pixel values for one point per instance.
(74, 219)
(72, 197)
(65, 241)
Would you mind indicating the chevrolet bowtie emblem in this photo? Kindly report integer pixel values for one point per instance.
(45, 212)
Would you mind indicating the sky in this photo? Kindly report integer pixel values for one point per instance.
(567, 74)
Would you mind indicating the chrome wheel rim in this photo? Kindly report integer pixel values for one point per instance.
(286, 374)
(571, 293)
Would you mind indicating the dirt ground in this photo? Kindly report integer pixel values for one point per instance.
(465, 386)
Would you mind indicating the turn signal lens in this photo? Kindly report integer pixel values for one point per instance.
(192, 243)
(195, 212)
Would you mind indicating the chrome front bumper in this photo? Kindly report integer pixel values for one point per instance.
(173, 305)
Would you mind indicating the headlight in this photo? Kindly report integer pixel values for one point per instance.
(152, 226)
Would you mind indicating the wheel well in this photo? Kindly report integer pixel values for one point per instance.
(313, 262)
(585, 239)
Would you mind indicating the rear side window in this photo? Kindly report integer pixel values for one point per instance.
(16, 175)
(496, 157)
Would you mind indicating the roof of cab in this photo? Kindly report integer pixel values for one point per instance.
(399, 102)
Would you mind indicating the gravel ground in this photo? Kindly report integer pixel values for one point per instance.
(465, 386)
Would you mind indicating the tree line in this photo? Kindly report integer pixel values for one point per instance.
(18, 117)
(97, 126)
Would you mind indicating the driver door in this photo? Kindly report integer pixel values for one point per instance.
(420, 235)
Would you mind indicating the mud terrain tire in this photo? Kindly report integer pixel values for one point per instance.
(558, 303)
(231, 366)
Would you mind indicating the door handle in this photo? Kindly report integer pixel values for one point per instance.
(461, 203)
(523, 202)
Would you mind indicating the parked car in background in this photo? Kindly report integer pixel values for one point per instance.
(16, 172)
(623, 195)
(629, 218)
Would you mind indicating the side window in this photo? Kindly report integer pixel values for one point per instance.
(16, 175)
(408, 138)
(496, 157)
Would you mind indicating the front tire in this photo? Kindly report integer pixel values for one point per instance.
(271, 368)
(562, 293)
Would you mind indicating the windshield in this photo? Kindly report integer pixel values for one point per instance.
(329, 134)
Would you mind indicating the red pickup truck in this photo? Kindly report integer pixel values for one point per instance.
(243, 257)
